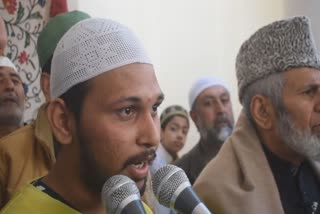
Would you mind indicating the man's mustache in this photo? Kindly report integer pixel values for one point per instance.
(222, 118)
(149, 155)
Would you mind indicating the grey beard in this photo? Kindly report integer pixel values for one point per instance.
(301, 141)
(214, 135)
(224, 133)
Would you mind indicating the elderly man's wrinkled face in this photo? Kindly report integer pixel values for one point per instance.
(212, 114)
(12, 97)
(298, 121)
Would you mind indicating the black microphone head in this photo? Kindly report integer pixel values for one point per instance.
(166, 181)
(117, 190)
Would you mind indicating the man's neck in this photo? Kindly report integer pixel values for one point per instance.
(70, 187)
(210, 143)
(5, 130)
(281, 150)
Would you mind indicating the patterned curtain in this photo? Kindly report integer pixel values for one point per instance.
(24, 20)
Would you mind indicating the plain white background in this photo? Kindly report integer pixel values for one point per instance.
(188, 39)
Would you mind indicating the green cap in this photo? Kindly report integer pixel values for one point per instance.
(54, 30)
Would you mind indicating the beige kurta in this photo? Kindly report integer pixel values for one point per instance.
(239, 179)
(25, 154)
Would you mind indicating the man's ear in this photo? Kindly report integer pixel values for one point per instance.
(61, 121)
(45, 85)
(262, 112)
(193, 116)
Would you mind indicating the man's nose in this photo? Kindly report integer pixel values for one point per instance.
(149, 131)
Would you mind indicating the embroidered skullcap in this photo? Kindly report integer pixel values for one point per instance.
(202, 84)
(174, 110)
(6, 62)
(90, 48)
(275, 48)
(53, 31)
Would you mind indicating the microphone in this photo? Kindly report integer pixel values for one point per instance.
(172, 188)
(121, 196)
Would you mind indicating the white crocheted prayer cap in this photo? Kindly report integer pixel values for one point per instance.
(202, 84)
(6, 62)
(90, 48)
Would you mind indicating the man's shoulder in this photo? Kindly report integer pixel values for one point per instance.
(18, 138)
(223, 167)
(32, 200)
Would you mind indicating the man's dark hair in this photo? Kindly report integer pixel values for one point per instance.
(74, 98)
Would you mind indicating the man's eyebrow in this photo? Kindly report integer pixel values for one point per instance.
(11, 75)
(15, 75)
(135, 99)
(132, 99)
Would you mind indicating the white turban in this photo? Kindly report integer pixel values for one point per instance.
(203, 83)
(6, 62)
(92, 47)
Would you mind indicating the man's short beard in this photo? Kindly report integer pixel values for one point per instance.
(218, 135)
(302, 142)
(11, 119)
(92, 175)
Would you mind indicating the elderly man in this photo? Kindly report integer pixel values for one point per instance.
(12, 94)
(211, 111)
(29, 152)
(12, 97)
(105, 97)
(270, 162)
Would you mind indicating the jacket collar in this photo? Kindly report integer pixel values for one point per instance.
(43, 131)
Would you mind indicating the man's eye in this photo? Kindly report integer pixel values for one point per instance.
(127, 111)
(16, 81)
(311, 91)
(155, 108)
(173, 129)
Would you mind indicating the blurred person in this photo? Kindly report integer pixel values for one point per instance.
(174, 130)
(270, 163)
(174, 122)
(12, 97)
(29, 152)
(211, 111)
(103, 113)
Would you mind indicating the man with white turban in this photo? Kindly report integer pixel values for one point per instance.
(211, 111)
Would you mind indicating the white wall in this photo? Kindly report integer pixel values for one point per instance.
(188, 39)
(308, 8)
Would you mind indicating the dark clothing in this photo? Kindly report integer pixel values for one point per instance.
(298, 186)
(197, 158)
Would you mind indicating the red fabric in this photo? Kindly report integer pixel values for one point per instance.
(58, 6)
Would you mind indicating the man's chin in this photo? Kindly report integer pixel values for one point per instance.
(142, 185)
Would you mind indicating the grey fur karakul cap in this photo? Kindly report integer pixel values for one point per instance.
(274, 48)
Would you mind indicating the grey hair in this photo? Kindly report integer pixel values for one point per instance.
(270, 86)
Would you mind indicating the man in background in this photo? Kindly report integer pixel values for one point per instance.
(211, 111)
(12, 90)
(12, 97)
(29, 152)
(270, 163)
